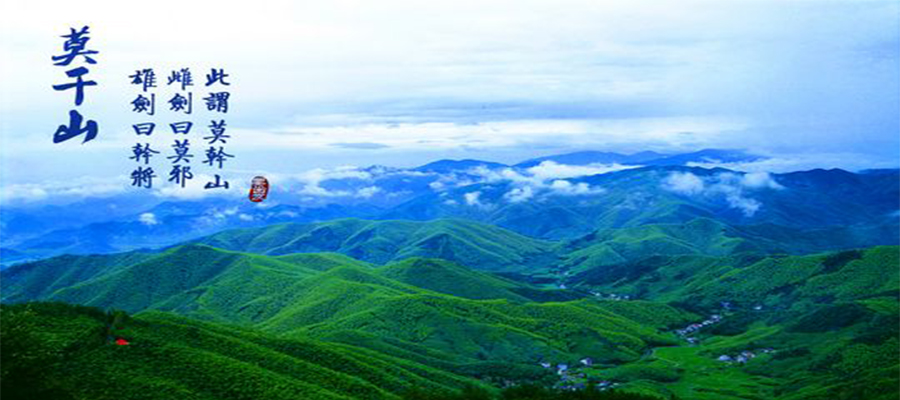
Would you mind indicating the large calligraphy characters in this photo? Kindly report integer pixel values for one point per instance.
(75, 51)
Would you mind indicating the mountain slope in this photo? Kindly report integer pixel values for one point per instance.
(814, 327)
(617, 246)
(173, 357)
(815, 199)
(747, 280)
(465, 242)
(358, 301)
(448, 278)
(184, 279)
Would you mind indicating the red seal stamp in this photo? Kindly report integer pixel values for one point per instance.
(259, 189)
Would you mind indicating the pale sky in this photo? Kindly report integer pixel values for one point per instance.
(321, 84)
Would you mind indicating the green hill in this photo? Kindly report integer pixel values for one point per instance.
(465, 242)
(708, 237)
(432, 308)
(829, 321)
(776, 281)
(321, 261)
(191, 279)
(58, 351)
(496, 330)
(446, 277)
(616, 246)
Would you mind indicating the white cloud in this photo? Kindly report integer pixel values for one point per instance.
(564, 187)
(781, 163)
(368, 192)
(552, 170)
(313, 178)
(63, 190)
(245, 217)
(757, 180)
(545, 179)
(684, 183)
(474, 199)
(148, 219)
(195, 188)
(519, 194)
(730, 186)
(747, 205)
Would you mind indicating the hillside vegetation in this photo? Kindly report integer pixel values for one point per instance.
(696, 310)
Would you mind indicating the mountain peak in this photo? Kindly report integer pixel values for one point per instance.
(591, 157)
(447, 165)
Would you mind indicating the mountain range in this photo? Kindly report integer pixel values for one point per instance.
(819, 313)
(555, 197)
(588, 275)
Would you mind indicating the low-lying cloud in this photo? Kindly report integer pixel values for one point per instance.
(148, 219)
(730, 186)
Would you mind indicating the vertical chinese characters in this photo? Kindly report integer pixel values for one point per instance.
(75, 48)
(144, 104)
(180, 101)
(217, 102)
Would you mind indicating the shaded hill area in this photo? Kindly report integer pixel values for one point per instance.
(465, 242)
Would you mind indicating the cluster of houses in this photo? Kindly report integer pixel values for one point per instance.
(691, 329)
(561, 275)
(744, 356)
(602, 385)
(728, 306)
(572, 378)
(563, 368)
(612, 296)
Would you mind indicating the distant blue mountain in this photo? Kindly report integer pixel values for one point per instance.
(648, 195)
(548, 207)
(445, 166)
(645, 158)
(594, 157)
(706, 156)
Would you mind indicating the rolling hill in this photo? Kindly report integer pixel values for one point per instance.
(59, 351)
(821, 326)
(457, 314)
(814, 327)
(465, 242)
(708, 237)
(446, 277)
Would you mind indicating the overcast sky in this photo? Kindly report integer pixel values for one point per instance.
(326, 83)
